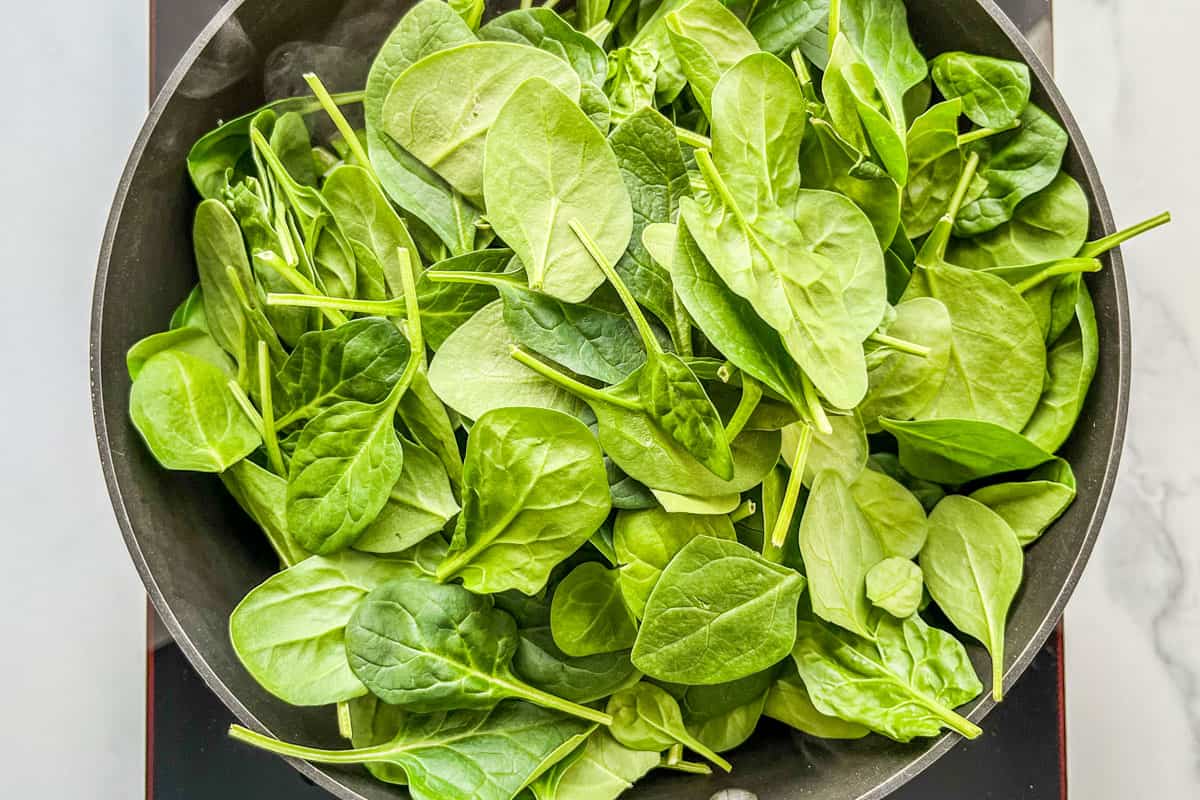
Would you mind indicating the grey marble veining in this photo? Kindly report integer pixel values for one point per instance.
(1133, 628)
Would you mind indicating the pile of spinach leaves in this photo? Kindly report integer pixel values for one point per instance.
(632, 373)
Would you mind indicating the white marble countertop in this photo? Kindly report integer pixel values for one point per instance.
(74, 667)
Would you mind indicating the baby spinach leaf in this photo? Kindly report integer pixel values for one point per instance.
(731, 729)
(894, 513)
(191, 340)
(902, 683)
(973, 563)
(190, 313)
(218, 245)
(1070, 366)
(602, 770)
(544, 29)
(688, 504)
(289, 632)
(707, 39)
(187, 416)
(955, 451)
(587, 614)
(645, 717)
(546, 167)
(997, 356)
(434, 647)
(373, 722)
(1030, 506)
(419, 505)
(731, 323)
(447, 305)
(927, 493)
(458, 755)
(839, 549)
(440, 108)
(646, 541)
(934, 164)
(994, 91)
(675, 400)
(652, 167)
(788, 702)
(428, 27)
(1012, 166)
(703, 703)
(429, 425)
(534, 490)
(843, 449)
(262, 495)
(473, 371)
(718, 612)
(878, 29)
(361, 360)
(862, 111)
(903, 385)
(630, 82)
(895, 585)
(781, 26)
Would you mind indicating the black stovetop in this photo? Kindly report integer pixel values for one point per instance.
(1021, 756)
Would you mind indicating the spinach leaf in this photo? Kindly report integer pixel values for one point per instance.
(788, 702)
(973, 564)
(781, 26)
(652, 167)
(218, 245)
(602, 770)
(903, 385)
(446, 305)
(994, 91)
(955, 451)
(703, 703)
(429, 425)
(289, 632)
(646, 717)
(190, 313)
(544, 29)
(927, 493)
(187, 416)
(440, 108)
(1030, 506)
(934, 164)
(839, 549)
(458, 755)
(630, 82)
(731, 729)
(419, 505)
(862, 111)
(587, 614)
(1070, 366)
(646, 541)
(473, 371)
(428, 27)
(878, 30)
(895, 585)
(718, 612)
(191, 340)
(1012, 166)
(372, 723)
(1047, 225)
(997, 356)
(361, 361)
(534, 490)
(548, 167)
(894, 513)
(902, 683)
(434, 647)
(262, 495)
(688, 504)
(707, 39)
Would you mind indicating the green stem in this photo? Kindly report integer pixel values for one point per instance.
(900, 345)
(835, 22)
(547, 700)
(686, 766)
(273, 745)
(983, 133)
(694, 744)
(674, 753)
(791, 494)
(550, 4)
(747, 509)
(298, 281)
(1101, 246)
(412, 320)
(345, 725)
(526, 5)
(812, 403)
(697, 185)
(292, 417)
(480, 278)
(933, 251)
(804, 76)
(681, 331)
(239, 395)
(998, 677)
(341, 123)
(270, 438)
(380, 308)
(567, 383)
(751, 395)
(647, 333)
(599, 32)
(693, 139)
(291, 188)
(1053, 269)
(953, 721)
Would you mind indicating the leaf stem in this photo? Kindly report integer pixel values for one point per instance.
(835, 22)
(345, 725)
(803, 75)
(647, 333)
(689, 767)
(791, 495)
(1052, 269)
(681, 330)
(479, 278)
(998, 674)
(297, 280)
(983, 133)
(412, 319)
(547, 700)
(239, 395)
(341, 123)
(953, 720)
(693, 139)
(933, 251)
(599, 32)
(900, 345)
(674, 753)
(747, 509)
(751, 395)
(273, 745)
(270, 438)
(697, 746)
(380, 308)
(1103, 245)
(577, 388)
(812, 404)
